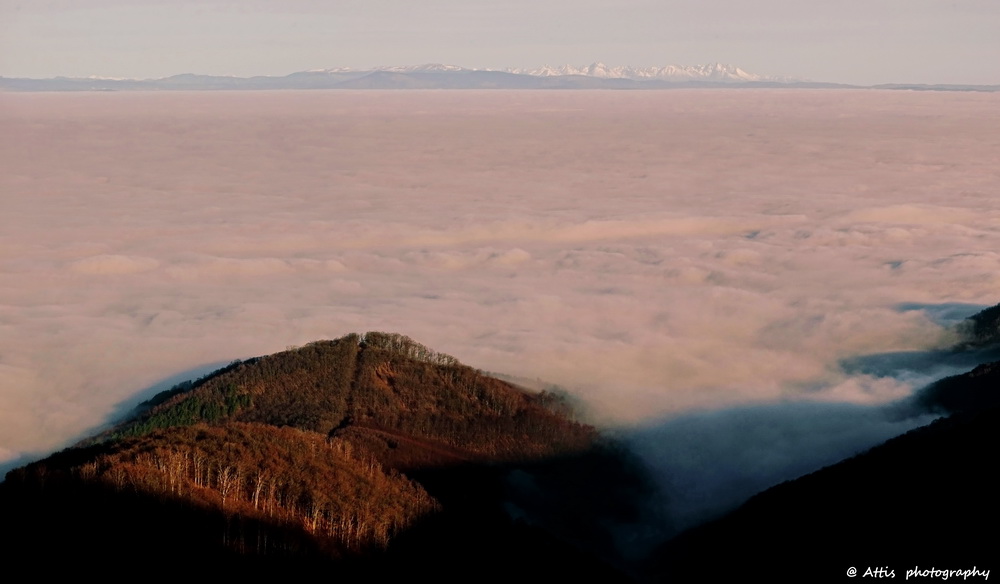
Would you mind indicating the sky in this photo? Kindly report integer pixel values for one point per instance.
(652, 253)
(852, 41)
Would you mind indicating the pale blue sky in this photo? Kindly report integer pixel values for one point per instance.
(851, 41)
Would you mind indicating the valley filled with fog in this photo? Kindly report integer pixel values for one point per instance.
(657, 254)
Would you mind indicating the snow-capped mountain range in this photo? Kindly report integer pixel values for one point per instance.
(713, 72)
(438, 76)
(717, 72)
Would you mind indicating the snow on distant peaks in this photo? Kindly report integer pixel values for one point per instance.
(718, 72)
(712, 72)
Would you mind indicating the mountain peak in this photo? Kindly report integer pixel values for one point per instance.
(300, 456)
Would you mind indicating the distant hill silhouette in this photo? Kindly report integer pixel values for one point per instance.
(982, 328)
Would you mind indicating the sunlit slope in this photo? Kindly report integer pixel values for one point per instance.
(299, 457)
(381, 382)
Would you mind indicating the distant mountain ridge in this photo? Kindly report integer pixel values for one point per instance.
(437, 76)
(677, 73)
(441, 76)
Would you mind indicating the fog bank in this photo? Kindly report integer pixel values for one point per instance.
(652, 252)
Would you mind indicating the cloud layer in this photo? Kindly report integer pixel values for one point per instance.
(652, 252)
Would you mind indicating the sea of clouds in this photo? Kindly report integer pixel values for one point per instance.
(657, 254)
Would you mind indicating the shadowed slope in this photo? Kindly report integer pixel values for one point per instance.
(924, 498)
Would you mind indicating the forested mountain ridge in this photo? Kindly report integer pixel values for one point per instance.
(334, 454)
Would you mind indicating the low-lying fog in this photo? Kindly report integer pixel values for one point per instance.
(658, 254)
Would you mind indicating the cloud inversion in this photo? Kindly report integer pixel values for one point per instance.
(652, 252)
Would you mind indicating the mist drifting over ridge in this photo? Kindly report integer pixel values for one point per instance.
(651, 252)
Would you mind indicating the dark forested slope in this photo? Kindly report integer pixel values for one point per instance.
(928, 498)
